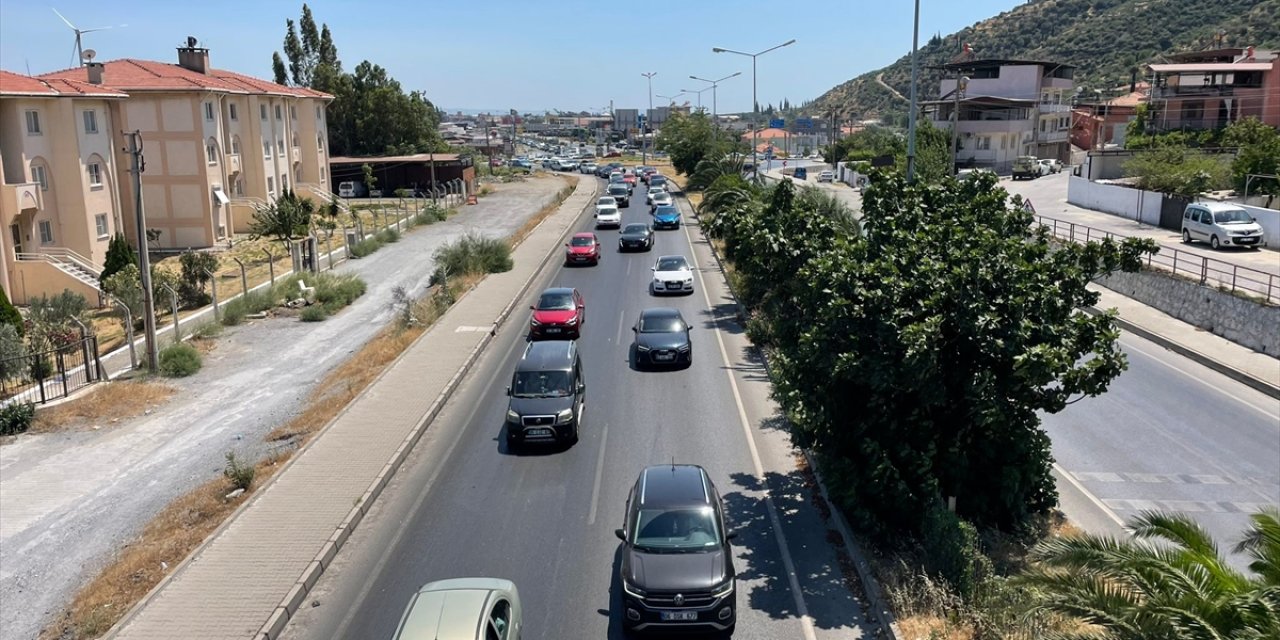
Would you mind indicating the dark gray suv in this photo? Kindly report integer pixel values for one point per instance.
(547, 394)
(677, 567)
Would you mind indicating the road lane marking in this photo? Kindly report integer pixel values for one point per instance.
(622, 319)
(806, 621)
(1218, 388)
(595, 490)
(1092, 498)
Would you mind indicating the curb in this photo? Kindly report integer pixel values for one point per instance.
(1191, 354)
(279, 617)
(876, 604)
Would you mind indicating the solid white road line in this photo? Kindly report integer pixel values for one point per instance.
(806, 621)
(1092, 498)
(595, 490)
(622, 319)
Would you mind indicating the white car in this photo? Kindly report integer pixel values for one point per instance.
(671, 274)
(651, 194)
(827, 176)
(606, 202)
(588, 167)
(608, 217)
(661, 198)
(1050, 165)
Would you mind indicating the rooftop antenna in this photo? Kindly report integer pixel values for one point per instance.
(78, 52)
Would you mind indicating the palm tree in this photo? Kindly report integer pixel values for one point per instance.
(1175, 587)
(709, 169)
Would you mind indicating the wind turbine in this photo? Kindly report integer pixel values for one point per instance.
(79, 50)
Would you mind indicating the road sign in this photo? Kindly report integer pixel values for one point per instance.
(777, 123)
(805, 124)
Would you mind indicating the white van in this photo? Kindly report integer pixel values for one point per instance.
(1220, 224)
(350, 189)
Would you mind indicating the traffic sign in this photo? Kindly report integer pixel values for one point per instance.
(777, 123)
(805, 124)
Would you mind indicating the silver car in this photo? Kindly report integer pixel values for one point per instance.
(1221, 224)
(462, 609)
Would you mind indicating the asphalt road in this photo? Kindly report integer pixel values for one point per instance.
(464, 505)
(1169, 435)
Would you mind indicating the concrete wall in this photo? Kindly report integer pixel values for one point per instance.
(1122, 201)
(34, 279)
(1247, 323)
(1270, 221)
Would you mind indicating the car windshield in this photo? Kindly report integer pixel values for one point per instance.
(582, 242)
(666, 211)
(1231, 215)
(609, 201)
(634, 228)
(675, 263)
(541, 384)
(676, 530)
(661, 324)
(559, 300)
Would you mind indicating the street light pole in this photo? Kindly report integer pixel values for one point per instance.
(911, 117)
(644, 140)
(715, 116)
(961, 83)
(755, 127)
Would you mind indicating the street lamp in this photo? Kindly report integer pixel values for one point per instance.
(644, 139)
(699, 92)
(715, 83)
(962, 83)
(673, 98)
(755, 128)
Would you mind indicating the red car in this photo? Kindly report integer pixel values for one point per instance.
(582, 247)
(559, 314)
(630, 179)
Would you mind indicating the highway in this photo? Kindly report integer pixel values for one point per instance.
(464, 505)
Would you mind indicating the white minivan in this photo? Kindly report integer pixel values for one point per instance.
(1221, 224)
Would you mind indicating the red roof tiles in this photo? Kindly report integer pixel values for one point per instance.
(16, 84)
(147, 75)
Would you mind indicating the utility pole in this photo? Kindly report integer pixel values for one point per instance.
(138, 165)
(644, 133)
(911, 117)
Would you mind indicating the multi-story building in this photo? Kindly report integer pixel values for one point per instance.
(1007, 108)
(1098, 121)
(217, 143)
(60, 197)
(1211, 89)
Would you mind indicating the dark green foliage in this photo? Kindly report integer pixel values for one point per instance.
(16, 418)
(1259, 155)
(933, 150)
(52, 320)
(191, 287)
(364, 247)
(287, 217)
(179, 360)
(388, 235)
(951, 550)
(688, 139)
(9, 314)
(119, 255)
(471, 254)
(313, 313)
(253, 302)
(334, 292)
(1179, 170)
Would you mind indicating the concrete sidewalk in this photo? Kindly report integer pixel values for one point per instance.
(256, 569)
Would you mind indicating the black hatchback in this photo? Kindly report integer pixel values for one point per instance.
(677, 568)
(662, 339)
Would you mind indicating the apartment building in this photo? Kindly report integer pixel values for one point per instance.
(1211, 89)
(60, 197)
(1007, 108)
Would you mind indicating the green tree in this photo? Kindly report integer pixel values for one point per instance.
(916, 355)
(1177, 588)
(687, 139)
(11, 351)
(196, 267)
(54, 321)
(126, 286)
(712, 168)
(119, 254)
(1178, 170)
(286, 218)
(370, 180)
(1259, 155)
(9, 314)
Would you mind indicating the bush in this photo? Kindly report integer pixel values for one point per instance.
(471, 254)
(233, 312)
(240, 475)
(313, 313)
(12, 350)
(335, 292)
(179, 360)
(423, 219)
(16, 418)
(207, 330)
(191, 291)
(951, 550)
(9, 314)
(119, 255)
(388, 235)
(364, 247)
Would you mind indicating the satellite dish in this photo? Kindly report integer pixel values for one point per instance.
(88, 55)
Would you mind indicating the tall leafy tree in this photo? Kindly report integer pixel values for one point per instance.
(1179, 588)
(119, 255)
(688, 139)
(1258, 155)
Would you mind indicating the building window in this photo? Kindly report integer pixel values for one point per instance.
(271, 186)
(318, 112)
(100, 221)
(266, 149)
(90, 121)
(238, 188)
(984, 143)
(293, 112)
(322, 180)
(208, 111)
(33, 123)
(320, 142)
(279, 113)
(235, 145)
(262, 108)
(231, 111)
(211, 153)
(284, 183)
(95, 174)
(295, 138)
(280, 146)
(38, 176)
(46, 232)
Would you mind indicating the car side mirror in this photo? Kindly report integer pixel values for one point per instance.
(508, 390)
(688, 327)
(622, 535)
(633, 329)
(653, 268)
(533, 307)
(732, 535)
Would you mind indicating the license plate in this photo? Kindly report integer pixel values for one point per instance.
(663, 356)
(678, 616)
(538, 432)
(1246, 241)
(553, 330)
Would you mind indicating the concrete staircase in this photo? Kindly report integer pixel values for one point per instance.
(69, 262)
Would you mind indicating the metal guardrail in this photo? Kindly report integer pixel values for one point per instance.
(1207, 271)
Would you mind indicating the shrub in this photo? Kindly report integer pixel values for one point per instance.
(119, 255)
(240, 475)
(364, 247)
(179, 360)
(389, 235)
(951, 550)
(335, 292)
(9, 314)
(191, 291)
(16, 418)
(235, 311)
(471, 254)
(12, 351)
(313, 313)
(423, 219)
(207, 330)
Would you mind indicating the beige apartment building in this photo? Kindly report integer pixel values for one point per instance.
(216, 144)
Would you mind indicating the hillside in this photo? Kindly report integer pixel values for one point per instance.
(1103, 39)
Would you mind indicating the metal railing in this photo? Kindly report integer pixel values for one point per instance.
(61, 255)
(1206, 271)
(49, 375)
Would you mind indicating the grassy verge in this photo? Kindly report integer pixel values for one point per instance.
(104, 405)
(332, 293)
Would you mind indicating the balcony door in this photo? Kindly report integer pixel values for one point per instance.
(16, 232)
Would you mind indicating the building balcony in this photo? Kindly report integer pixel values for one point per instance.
(295, 154)
(26, 196)
(1055, 136)
(991, 126)
(1049, 107)
(233, 163)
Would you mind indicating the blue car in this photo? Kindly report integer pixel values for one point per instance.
(666, 217)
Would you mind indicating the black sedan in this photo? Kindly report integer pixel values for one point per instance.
(662, 339)
(636, 236)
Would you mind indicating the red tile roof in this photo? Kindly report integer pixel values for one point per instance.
(147, 75)
(16, 84)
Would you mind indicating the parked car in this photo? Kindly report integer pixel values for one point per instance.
(558, 314)
(1026, 167)
(1051, 165)
(662, 339)
(582, 248)
(462, 609)
(1221, 224)
(827, 176)
(547, 394)
(676, 562)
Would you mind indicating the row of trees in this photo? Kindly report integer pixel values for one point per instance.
(370, 113)
(933, 149)
(1181, 163)
(688, 139)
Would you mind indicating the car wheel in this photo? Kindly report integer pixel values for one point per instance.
(1213, 242)
(513, 443)
(1186, 237)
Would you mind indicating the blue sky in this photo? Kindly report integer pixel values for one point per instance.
(502, 54)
